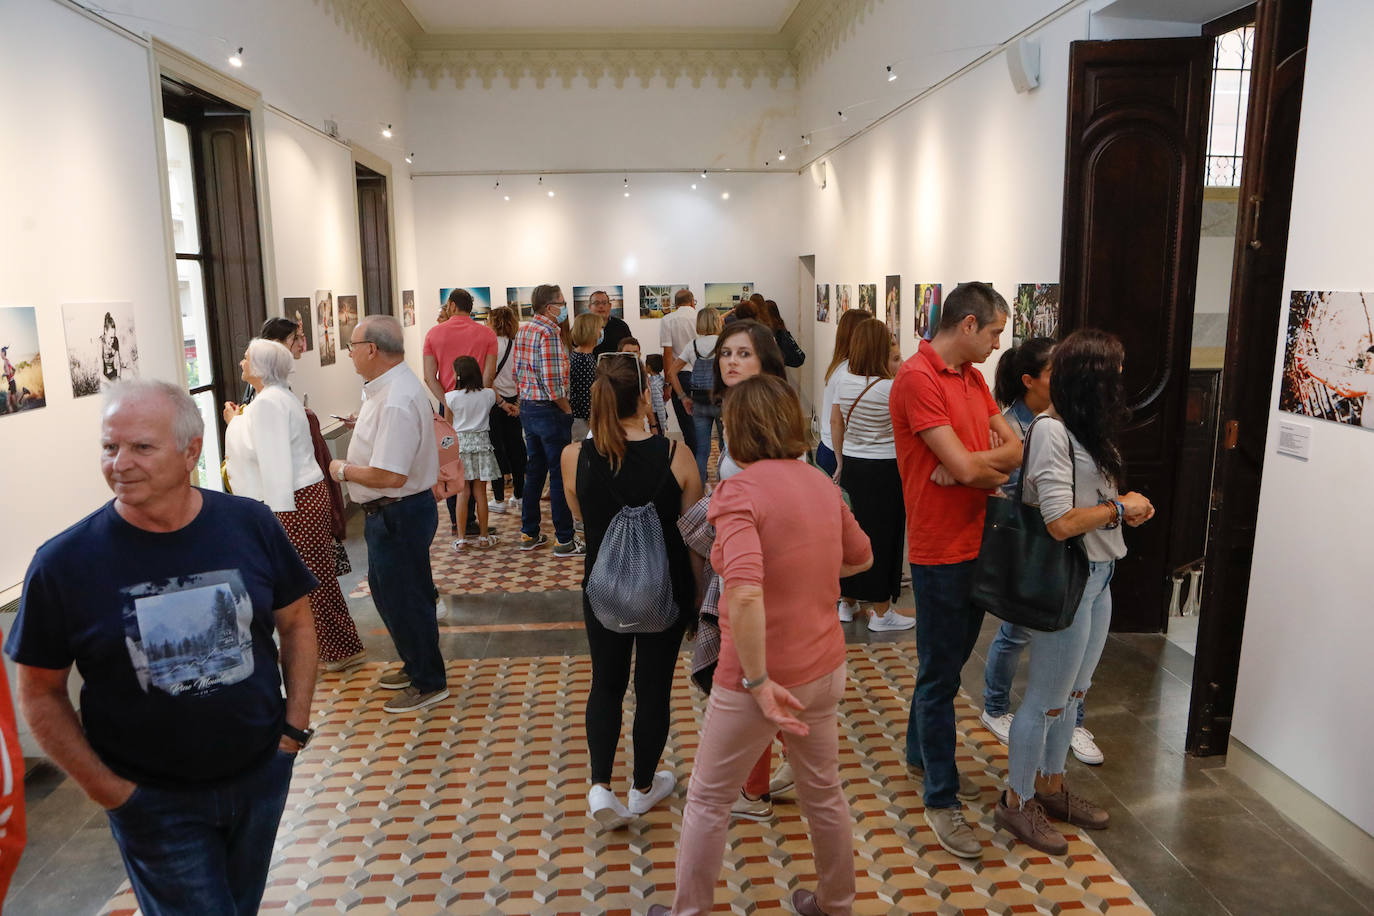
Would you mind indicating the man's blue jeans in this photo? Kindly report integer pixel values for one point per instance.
(398, 538)
(1003, 656)
(946, 629)
(195, 851)
(704, 416)
(548, 431)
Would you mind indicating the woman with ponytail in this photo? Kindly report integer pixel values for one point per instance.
(622, 465)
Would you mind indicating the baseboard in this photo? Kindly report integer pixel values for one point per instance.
(1327, 826)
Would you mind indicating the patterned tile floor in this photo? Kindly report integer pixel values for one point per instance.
(503, 568)
(478, 806)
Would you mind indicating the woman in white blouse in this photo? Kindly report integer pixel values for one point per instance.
(269, 456)
(866, 456)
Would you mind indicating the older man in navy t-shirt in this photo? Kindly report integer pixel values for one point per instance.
(166, 598)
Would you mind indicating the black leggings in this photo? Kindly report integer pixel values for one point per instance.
(655, 668)
(508, 442)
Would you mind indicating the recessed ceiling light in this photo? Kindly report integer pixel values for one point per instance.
(891, 76)
(236, 59)
(694, 186)
(386, 132)
(724, 195)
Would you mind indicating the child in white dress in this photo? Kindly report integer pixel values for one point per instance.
(470, 406)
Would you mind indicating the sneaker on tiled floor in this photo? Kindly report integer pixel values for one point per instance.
(1085, 748)
(953, 832)
(782, 781)
(1071, 808)
(1000, 726)
(846, 610)
(659, 789)
(496, 506)
(968, 789)
(440, 609)
(395, 679)
(530, 543)
(890, 622)
(1028, 824)
(411, 699)
(804, 903)
(573, 548)
(343, 664)
(579, 527)
(606, 809)
(752, 809)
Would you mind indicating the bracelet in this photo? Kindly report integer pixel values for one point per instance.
(1114, 505)
(754, 684)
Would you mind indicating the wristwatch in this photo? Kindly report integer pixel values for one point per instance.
(340, 475)
(754, 684)
(301, 737)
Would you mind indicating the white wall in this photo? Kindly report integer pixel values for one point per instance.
(590, 234)
(1303, 697)
(82, 221)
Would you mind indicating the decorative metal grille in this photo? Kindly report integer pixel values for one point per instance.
(1231, 66)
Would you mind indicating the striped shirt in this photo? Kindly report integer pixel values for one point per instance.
(541, 363)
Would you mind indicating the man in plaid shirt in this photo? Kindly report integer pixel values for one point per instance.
(541, 377)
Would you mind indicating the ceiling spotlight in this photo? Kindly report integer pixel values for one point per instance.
(703, 173)
(694, 186)
(843, 116)
(507, 197)
(386, 131)
(781, 155)
(408, 158)
(891, 76)
(236, 59)
(627, 186)
(806, 139)
(550, 193)
(724, 195)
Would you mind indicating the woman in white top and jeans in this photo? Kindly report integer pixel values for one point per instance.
(269, 456)
(825, 452)
(705, 408)
(507, 436)
(1073, 469)
(866, 455)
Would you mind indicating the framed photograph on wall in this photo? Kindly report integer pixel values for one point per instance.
(297, 309)
(521, 299)
(892, 304)
(1036, 313)
(657, 301)
(348, 320)
(582, 295)
(324, 325)
(724, 296)
(1328, 357)
(407, 308)
(927, 304)
(21, 387)
(481, 299)
(844, 298)
(101, 346)
(868, 298)
(822, 301)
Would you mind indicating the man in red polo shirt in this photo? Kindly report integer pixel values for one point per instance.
(953, 449)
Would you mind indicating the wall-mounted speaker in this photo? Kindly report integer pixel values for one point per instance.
(1023, 64)
(818, 173)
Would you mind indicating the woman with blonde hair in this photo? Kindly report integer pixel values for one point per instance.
(584, 333)
(621, 465)
(705, 406)
(269, 456)
(783, 540)
(825, 452)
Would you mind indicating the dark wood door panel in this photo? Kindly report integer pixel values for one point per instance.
(1132, 214)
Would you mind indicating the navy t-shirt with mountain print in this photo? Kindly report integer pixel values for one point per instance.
(172, 634)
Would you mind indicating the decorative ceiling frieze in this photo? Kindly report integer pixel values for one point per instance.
(387, 29)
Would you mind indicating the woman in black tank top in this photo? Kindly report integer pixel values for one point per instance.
(621, 465)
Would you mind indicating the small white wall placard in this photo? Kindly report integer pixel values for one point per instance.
(1295, 439)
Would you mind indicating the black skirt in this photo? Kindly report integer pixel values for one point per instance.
(875, 491)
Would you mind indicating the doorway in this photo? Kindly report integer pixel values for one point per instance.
(374, 239)
(803, 320)
(1145, 253)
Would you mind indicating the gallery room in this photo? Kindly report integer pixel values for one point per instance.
(1187, 176)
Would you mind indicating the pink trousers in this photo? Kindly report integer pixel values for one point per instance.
(732, 737)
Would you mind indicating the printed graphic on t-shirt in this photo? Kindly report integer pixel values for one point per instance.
(189, 635)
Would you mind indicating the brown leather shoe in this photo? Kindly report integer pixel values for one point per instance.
(1074, 809)
(804, 902)
(1028, 825)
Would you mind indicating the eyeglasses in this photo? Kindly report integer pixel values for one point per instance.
(355, 343)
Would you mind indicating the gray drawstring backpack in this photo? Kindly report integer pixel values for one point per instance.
(629, 588)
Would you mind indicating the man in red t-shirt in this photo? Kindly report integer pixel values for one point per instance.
(953, 449)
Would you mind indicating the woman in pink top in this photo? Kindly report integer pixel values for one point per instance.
(782, 649)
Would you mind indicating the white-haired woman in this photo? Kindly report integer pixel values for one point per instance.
(269, 456)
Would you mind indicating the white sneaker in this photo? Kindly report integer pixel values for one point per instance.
(1000, 726)
(847, 610)
(662, 786)
(440, 609)
(494, 506)
(892, 621)
(606, 809)
(782, 782)
(1085, 748)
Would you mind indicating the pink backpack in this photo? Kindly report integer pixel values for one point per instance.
(452, 477)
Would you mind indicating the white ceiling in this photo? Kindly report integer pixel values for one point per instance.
(440, 16)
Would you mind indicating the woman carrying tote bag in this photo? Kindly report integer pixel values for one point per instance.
(1072, 470)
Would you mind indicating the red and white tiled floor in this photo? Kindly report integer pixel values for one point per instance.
(477, 806)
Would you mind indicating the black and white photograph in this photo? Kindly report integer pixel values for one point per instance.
(1036, 313)
(189, 635)
(1328, 357)
(101, 345)
(297, 308)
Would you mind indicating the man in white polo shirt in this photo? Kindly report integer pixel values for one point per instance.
(676, 332)
(392, 463)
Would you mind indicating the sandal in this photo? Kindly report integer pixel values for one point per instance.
(460, 544)
(486, 541)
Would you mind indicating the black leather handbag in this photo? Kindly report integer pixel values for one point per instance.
(1023, 575)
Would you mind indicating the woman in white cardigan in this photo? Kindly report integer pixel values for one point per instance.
(270, 457)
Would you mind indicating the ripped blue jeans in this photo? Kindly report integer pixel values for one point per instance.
(1061, 671)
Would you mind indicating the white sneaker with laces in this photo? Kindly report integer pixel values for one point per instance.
(1000, 726)
(782, 782)
(606, 809)
(890, 622)
(659, 789)
(498, 507)
(847, 611)
(1085, 748)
